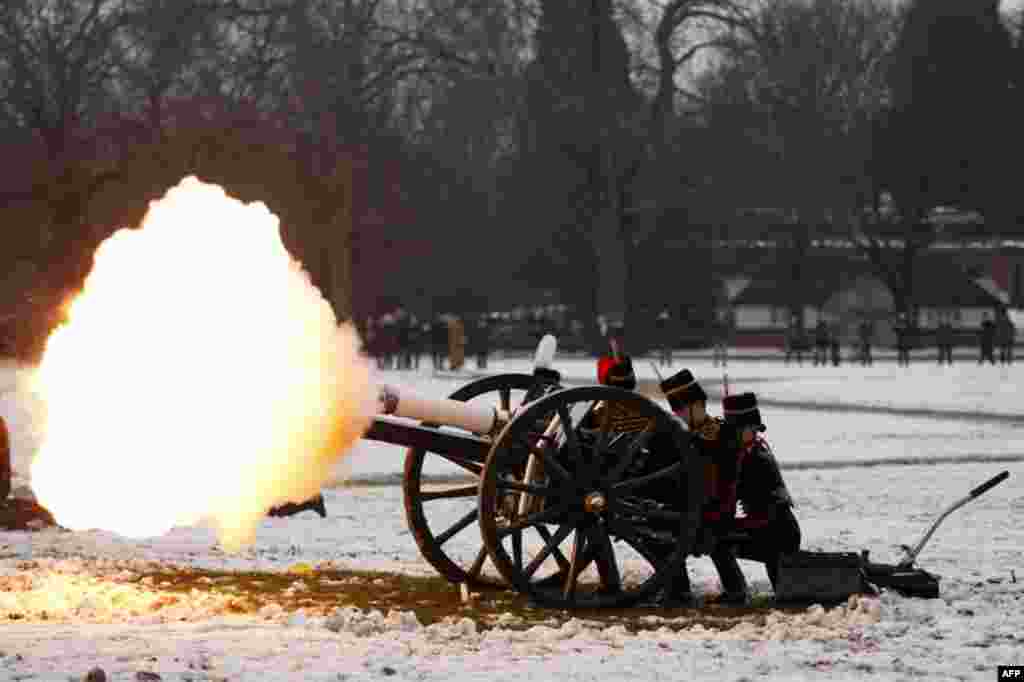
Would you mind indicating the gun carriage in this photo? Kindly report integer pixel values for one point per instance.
(579, 497)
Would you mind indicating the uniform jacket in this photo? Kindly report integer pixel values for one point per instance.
(760, 488)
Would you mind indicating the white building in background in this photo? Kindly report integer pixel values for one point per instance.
(843, 291)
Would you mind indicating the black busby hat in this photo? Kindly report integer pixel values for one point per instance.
(681, 389)
(741, 410)
(616, 371)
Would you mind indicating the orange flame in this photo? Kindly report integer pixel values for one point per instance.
(200, 376)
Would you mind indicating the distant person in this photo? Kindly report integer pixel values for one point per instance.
(456, 344)
(387, 333)
(865, 334)
(987, 341)
(834, 347)
(1006, 335)
(403, 340)
(438, 342)
(944, 340)
(724, 327)
(480, 341)
(663, 325)
(417, 333)
(903, 331)
(821, 343)
(796, 342)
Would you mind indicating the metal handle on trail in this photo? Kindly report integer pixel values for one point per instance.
(989, 484)
(980, 490)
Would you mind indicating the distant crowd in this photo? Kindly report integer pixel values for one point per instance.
(399, 339)
(996, 338)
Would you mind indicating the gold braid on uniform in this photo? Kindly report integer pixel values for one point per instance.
(623, 418)
(710, 429)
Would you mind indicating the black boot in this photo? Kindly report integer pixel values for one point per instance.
(734, 583)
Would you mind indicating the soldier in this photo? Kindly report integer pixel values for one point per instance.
(769, 526)
(718, 451)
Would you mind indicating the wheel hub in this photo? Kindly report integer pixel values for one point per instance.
(595, 503)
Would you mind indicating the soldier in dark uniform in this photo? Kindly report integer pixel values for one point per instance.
(767, 524)
(717, 448)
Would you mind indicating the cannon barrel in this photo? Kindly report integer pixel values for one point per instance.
(395, 402)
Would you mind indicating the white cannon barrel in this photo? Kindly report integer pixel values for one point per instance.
(401, 403)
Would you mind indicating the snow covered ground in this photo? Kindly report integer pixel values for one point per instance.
(97, 612)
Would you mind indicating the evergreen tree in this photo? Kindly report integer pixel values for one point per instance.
(950, 77)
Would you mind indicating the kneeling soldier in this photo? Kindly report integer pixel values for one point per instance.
(769, 528)
(717, 447)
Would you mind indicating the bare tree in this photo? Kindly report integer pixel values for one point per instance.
(802, 84)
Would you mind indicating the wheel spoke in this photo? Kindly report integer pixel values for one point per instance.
(545, 535)
(478, 564)
(459, 526)
(539, 490)
(604, 431)
(549, 515)
(570, 437)
(578, 545)
(551, 543)
(450, 493)
(621, 505)
(467, 464)
(517, 549)
(550, 463)
(505, 393)
(607, 567)
(664, 472)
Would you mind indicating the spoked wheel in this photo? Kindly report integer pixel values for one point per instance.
(609, 508)
(442, 515)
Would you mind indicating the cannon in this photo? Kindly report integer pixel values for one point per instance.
(564, 499)
(579, 497)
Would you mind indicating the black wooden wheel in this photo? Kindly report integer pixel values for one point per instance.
(613, 511)
(442, 510)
